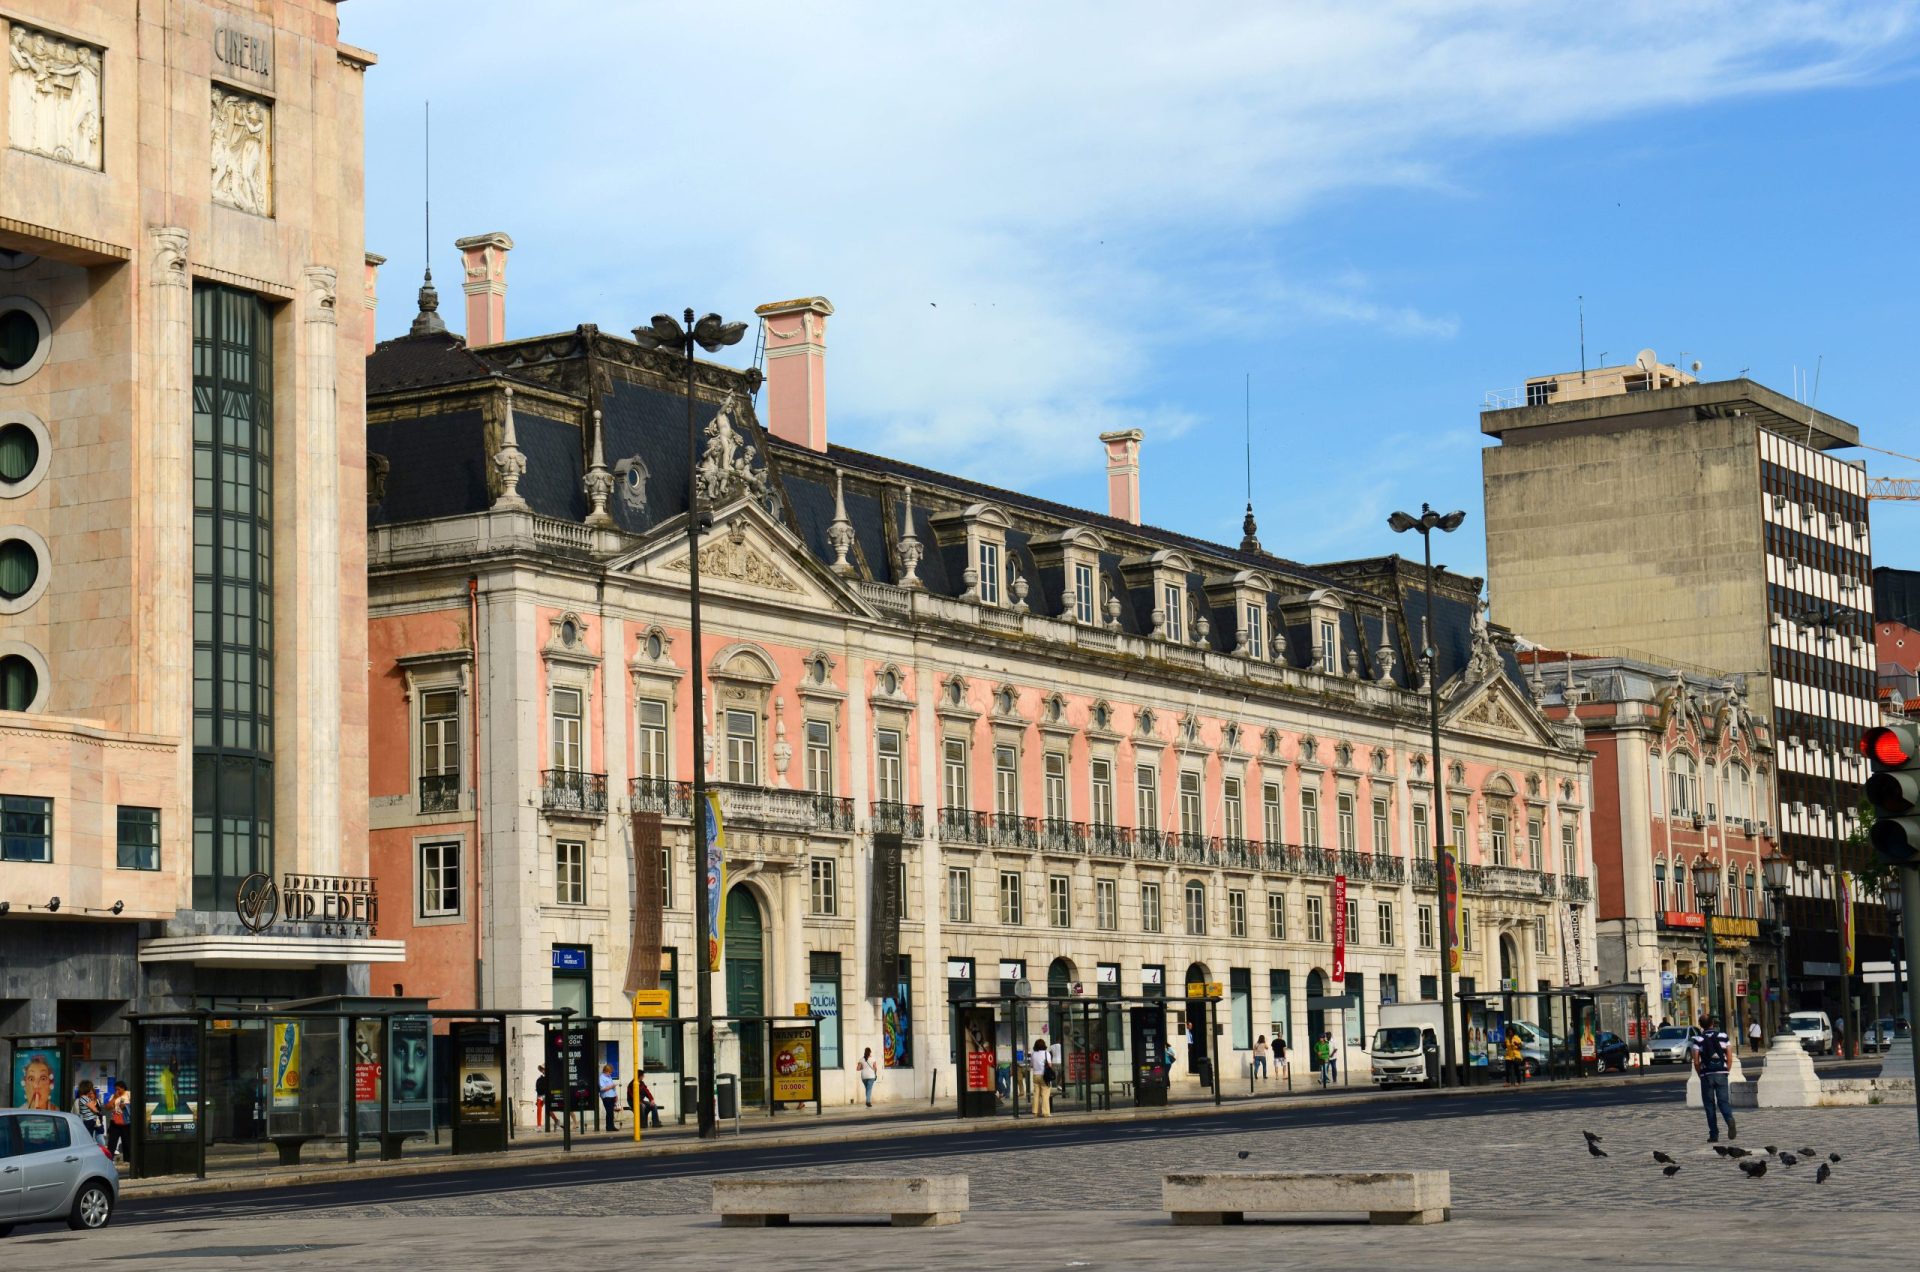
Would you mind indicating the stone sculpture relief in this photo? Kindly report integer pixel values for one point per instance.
(729, 465)
(53, 97)
(242, 152)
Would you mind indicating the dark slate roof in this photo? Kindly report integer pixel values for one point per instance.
(435, 467)
(421, 362)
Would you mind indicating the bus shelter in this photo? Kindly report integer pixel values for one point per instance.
(1566, 1032)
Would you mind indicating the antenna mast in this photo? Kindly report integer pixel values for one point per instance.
(1249, 532)
(1583, 337)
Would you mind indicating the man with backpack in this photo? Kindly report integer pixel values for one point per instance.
(1710, 1052)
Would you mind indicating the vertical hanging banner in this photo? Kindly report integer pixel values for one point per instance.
(1339, 928)
(883, 923)
(1848, 942)
(649, 902)
(716, 859)
(1450, 905)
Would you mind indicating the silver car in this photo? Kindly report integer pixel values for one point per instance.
(52, 1169)
(1670, 1044)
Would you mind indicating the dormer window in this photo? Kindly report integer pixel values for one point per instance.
(1173, 605)
(1329, 647)
(1253, 619)
(981, 529)
(989, 581)
(1086, 593)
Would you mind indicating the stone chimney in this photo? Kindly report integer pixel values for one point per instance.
(1123, 474)
(484, 257)
(797, 369)
(370, 299)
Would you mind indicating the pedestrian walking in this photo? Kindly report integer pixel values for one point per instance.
(1516, 1059)
(1323, 1057)
(1753, 1032)
(87, 1107)
(609, 1094)
(119, 1123)
(1710, 1061)
(1260, 1053)
(1042, 1078)
(1282, 1068)
(542, 1093)
(868, 1073)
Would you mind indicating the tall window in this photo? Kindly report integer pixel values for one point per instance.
(1385, 915)
(743, 748)
(1458, 834)
(1539, 938)
(1379, 843)
(1146, 797)
(1010, 896)
(1236, 912)
(1086, 595)
(1191, 821)
(1533, 843)
(1233, 818)
(233, 685)
(1497, 837)
(953, 774)
(1173, 603)
(1316, 918)
(1353, 921)
(1349, 833)
(1196, 908)
(439, 879)
(1309, 816)
(1422, 834)
(1748, 888)
(1329, 648)
(1056, 783)
(959, 894)
(1059, 902)
(1006, 780)
(1106, 899)
(990, 573)
(1466, 929)
(1254, 616)
(1660, 886)
(439, 750)
(1276, 916)
(1425, 917)
(1567, 854)
(886, 765)
(1685, 787)
(652, 760)
(1100, 773)
(819, 757)
(138, 846)
(1270, 824)
(1149, 907)
(569, 729)
(823, 891)
(570, 872)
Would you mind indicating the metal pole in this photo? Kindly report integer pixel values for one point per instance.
(566, 1080)
(201, 1085)
(702, 928)
(386, 1087)
(352, 1094)
(1442, 821)
(1910, 937)
(1713, 1007)
(1829, 632)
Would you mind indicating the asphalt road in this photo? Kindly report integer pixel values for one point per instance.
(909, 1144)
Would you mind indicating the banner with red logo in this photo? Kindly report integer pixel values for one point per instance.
(1450, 906)
(1339, 928)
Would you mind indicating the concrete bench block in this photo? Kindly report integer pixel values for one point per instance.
(1389, 1196)
(758, 1201)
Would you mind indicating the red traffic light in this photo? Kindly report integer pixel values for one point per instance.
(1889, 747)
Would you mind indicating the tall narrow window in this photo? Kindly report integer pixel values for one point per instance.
(1059, 902)
(1568, 854)
(1191, 821)
(819, 757)
(1254, 617)
(959, 894)
(233, 589)
(1379, 843)
(953, 775)
(1539, 937)
(1497, 837)
(1233, 819)
(1457, 839)
(743, 748)
(1353, 921)
(990, 573)
(1276, 916)
(1149, 907)
(1236, 912)
(1010, 896)
(1146, 797)
(570, 872)
(1316, 918)
(1422, 834)
(1086, 593)
(1466, 930)
(1329, 648)
(823, 891)
(1173, 602)
(652, 760)
(1270, 816)
(1056, 793)
(1006, 781)
(1196, 908)
(439, 879)
(1349, 833)
(1385, 914)
(1309, 816)
(886, 765)
(1106, 897)
(569, 730)
(1425, 917)
(1533, 843)
(439, 750)
(1100, 774)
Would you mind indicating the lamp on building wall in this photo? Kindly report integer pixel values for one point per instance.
(711, 333)
(1706, 896)
(1780, 876)
(1426, 523)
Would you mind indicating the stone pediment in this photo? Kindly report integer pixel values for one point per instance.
(730, 557)
(747, 554)
(1496, 709)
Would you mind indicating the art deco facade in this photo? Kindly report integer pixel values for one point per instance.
(1122, 759)
(182, 576)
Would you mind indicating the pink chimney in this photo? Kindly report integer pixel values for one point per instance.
(485, 259)
(370, 297)
(1123, 474)
(797, 369)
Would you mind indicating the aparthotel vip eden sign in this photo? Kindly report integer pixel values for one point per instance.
(330, 905)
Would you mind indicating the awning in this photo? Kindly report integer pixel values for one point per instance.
(270, 951)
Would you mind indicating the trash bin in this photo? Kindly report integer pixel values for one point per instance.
(689, 1097)
(726, 1097)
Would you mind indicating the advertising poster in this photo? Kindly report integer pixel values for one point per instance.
(285, 1077)
(366, 1062)
(478, 1087)
(36, 1078)
(410, 1062)
(649, 904)
(1450, 906)
(716, 878)
(173, 1080)
(1339, 929)
(896, 1025)
(977, 1050)
(570, 1062)
(795, 1077)
(883, 928)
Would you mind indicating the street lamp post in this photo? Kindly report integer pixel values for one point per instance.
(1830, 621)
(1426, 523)
(1780, 875)
(1706, 895)
(712, 334)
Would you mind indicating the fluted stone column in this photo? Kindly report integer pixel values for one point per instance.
(316, 820)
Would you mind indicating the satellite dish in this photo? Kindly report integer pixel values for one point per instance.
(1646, 360)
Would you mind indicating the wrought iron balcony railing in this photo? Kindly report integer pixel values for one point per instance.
(908, 820)
(440, 793)
(573, 791)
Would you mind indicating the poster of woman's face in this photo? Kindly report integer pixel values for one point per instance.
(36, 1078)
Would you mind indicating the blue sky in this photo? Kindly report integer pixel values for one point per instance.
(1039, 222)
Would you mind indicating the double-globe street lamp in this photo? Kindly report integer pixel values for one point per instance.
(1426, 523)
(1706, 896)
(711, 333)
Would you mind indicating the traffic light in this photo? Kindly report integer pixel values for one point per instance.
(1894, 791)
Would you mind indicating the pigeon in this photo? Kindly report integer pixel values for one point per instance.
(1721, 1149)
(1669, 1171)
(1823, 1174)
(1754, 1169)
(1591, 1137)
(1244, 1154)
(1594, 1149)
(1834, 1158)
(1771, 1150)
(1736, 1152)
(1788, 1159)
(1807, 1152)
(1659, 1156)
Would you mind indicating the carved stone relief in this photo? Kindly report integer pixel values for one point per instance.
(242, 130)
(53, 97)
(731, 557)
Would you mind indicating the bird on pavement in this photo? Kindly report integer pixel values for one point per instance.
(1754, 1169)
(1733, 1151)
(1834, 1158)
(1807, 1152)
(1659, 1156)
(1823, 1174)
(1721, 1150)
(1244, 1154)
(1594, 1149)
(1788, 1159)
(1591, 1137)
(1669, 1171)
(1771, 1150)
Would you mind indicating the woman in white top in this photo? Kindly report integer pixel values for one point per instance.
(1260, 1056)
(868, 1073)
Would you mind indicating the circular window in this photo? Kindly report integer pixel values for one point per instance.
(25, 336)
(19, 682)
(24, 449)
(23, 568)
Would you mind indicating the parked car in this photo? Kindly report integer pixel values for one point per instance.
(1610, 1051)
(51, 1169)
(1879, 1034)
(1670, 1044)
(1813, 1029)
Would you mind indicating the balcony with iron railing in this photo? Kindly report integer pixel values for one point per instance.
(573, 792)
(964, 826)
(1060, 835)
(1576, 887)
(440, 792)
(749, 807)
(892, 817)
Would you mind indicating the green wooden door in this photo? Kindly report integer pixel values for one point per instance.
(746, 987)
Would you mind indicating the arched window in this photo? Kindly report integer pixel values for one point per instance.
(1739, 794)
(1685, 798)
(1751, 912)
(1683, 900)
(1660, 886)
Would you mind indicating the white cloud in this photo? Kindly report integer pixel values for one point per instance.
(1020, 211)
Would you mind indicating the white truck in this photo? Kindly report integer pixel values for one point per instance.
(1401, 1041)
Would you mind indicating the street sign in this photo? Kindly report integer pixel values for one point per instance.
(803, 1010)
(1881, 966)
(651, 1004)
(1879, 978)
